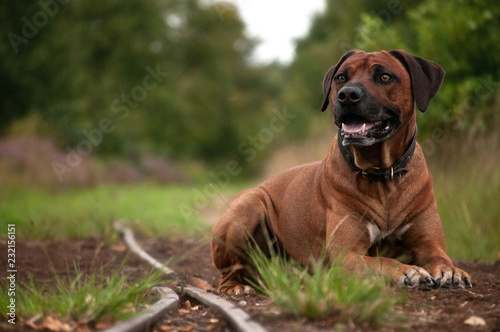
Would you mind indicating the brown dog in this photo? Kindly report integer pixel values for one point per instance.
(372, 195)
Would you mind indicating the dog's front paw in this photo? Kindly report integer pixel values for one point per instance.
(414, 276)
(450, 277)
(237, 289)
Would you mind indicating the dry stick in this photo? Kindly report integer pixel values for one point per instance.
(236, 317)
(239, 319)
(151, 315)
(128, 237)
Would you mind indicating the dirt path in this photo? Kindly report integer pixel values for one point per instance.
(434, 310)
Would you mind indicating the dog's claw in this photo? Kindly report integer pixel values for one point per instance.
(407, 281)
(447, 284)
(237, 290)
(425, 283)
(243, 289)
(454, 283)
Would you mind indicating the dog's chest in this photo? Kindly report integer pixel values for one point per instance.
(376, 234)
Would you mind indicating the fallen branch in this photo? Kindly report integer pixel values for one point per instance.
(128, 237)
(236, 317)
(151, 315)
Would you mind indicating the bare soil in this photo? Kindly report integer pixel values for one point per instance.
(430, 310)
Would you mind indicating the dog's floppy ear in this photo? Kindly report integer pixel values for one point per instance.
(426, 77)
(327, 81)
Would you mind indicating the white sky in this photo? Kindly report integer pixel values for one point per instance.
(276, 23)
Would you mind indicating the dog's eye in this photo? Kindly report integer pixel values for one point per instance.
(341, 78)
(385, 78)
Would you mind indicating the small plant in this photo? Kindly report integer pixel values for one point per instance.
(86, 299)
(323, 292)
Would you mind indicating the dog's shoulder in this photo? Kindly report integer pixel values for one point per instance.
(298, 176)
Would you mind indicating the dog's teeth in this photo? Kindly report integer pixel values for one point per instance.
(343, 125)
(363, 129)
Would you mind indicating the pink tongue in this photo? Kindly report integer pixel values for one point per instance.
(355, 126)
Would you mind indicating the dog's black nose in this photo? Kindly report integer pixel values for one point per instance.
(349, 95)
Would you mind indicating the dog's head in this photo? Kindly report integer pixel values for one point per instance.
(372, 94)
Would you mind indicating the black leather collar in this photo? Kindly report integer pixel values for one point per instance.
(397, 169)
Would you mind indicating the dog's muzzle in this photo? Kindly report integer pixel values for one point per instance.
(361, 120)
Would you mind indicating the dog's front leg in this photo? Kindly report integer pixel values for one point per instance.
(397, 272)
(233, 235)
(425, 238)
(348, 243)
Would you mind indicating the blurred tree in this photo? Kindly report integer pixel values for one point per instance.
(17, 85)
(164, 76)
(224, 98)
(83, 56)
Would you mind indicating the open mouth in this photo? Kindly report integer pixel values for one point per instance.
(357, 130)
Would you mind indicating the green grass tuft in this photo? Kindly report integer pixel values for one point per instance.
(324, 292)
(85, 299)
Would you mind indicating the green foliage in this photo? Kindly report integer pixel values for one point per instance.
(374, 36)
(218, 98)
(166, 77)
(324, 292)
(85, 298)
(18, 84)
(86, 53)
